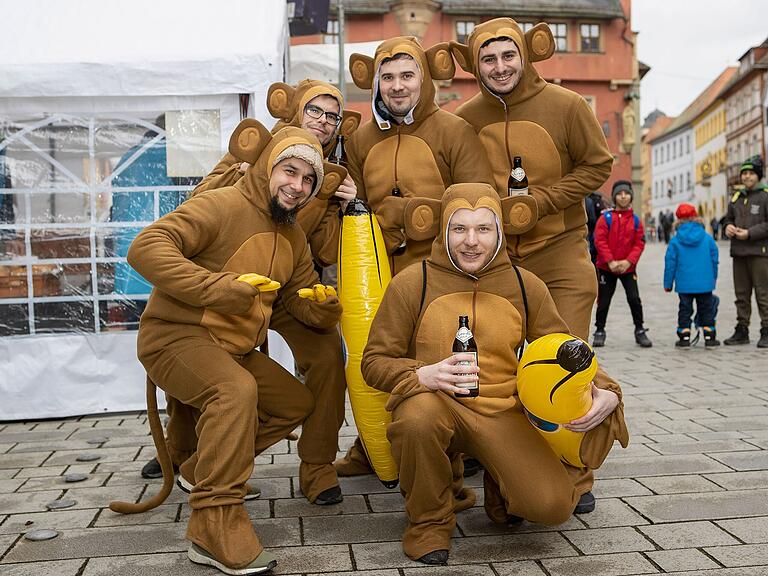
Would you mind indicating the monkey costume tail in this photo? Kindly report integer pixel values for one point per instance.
(163, 456)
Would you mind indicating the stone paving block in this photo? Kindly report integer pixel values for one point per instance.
(6, 541)
(92, 542)
(744, 555)
(58, 483)
(659, 466)
(62, 444)
(128, 478)
(368, 484)
(129, 441)
(686, 559)
(749, 530)
(740, 480)
(273, 487)
(160, 515)
(451, 570)
(304, 559)
(743, 461)
(608, 540)
(682, 426)
(679, 484)
(147, 565)
(390, 502)
(55, 520)
(722, 435)
(63, 568)
(600, 565)
(105, 455)
(474, 522)
(510, 547)
(292, 459)
(37, 472)
(101, 497)
(277, 531)
(352, 504)
(752, 571)
(361, 573)
(715, 505)
(32, 436)
(5, 447)
(612, 512)
(619, 488)
(703, 447)
(633, 450)
(354, 528)
(8, 486)
(741, 423)
(23, 459)
(687, 535)
(8, 473)
(747, 410)
(759, 442)
(524, 568)
(275, 471)
(32, 502)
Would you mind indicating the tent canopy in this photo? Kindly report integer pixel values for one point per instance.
(140, 47)
(321, 61)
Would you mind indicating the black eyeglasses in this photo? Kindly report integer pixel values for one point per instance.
(316, 112)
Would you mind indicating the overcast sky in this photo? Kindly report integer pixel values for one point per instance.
(687, 43)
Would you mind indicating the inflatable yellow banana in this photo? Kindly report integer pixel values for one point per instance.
(364, 274)
(554, 384)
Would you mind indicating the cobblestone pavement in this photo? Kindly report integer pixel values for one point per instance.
(689, 496)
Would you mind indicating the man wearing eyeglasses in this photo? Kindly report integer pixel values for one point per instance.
(317, 107)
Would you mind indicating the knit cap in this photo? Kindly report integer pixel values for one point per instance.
(310, 155)
(755, 164)
(686, 211)
(621, 186)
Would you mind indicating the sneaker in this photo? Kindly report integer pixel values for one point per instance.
(683, 338)
(763, 342)
(434, 558)
(251, 492)
(586, 504)
(471, 467)
(264, 562)
(330, 496)
(710, 337)
(740, 336)
(152, 469)
(642, 338)
(598, 340)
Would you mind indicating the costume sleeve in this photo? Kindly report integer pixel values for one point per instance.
(163, 251)
(670, 265)
(225, 173)
(601, 239)
(321, 223)
(385, 365)
(316, 314)
(592, 163)
(469, 160)
(638, 244)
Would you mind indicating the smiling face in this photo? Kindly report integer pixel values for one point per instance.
(323, 128)
(473, 238)
(291, 182)
(400, 86)
(623, 200)
(749, 179)
(500, 66)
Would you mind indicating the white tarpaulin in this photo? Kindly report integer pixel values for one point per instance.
(321, 61)
(81, 84)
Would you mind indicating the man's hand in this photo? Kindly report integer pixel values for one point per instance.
(730, 230)
(347, 192)
(604, 402)
(243, 167)
(447, 373)
(261, 283)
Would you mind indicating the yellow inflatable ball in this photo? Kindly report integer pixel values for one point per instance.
(554, 379)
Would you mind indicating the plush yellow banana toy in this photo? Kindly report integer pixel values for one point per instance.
(261, 283)
(318, 292)
(363, 276)
(554, 384)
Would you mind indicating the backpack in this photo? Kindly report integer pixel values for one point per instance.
(609, 218)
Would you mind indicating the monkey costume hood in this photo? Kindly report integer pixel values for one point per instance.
(421, 157)
(194, 255)
(553, 129)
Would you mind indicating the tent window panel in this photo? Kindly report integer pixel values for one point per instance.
(61, 317)
(59, 243)
(62, 280)
(60, 207)
(118, 315)
(14, 318)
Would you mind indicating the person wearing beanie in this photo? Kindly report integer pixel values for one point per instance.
(746, 224)
(690, 266)
(620, 240)
(218, 264)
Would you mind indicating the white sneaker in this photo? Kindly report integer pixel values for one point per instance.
(252, 492)
(264, 562)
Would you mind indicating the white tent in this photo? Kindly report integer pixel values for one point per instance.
(321, 61)
(80, 83)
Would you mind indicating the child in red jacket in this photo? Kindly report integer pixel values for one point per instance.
(620, 240)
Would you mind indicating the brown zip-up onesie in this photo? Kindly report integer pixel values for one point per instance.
(523, 476)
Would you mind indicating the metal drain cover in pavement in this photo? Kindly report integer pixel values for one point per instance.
(87, 457)
(59, 504)
(75, 477)
(97, 440)
(39, 535)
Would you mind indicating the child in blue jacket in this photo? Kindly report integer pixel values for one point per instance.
(690, 264)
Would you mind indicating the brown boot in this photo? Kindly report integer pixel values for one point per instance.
(355, 462)
(226, 534)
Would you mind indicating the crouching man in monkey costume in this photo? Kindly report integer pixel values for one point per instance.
(565, 156)
(409, 356)
(216, 262)
(317, 107)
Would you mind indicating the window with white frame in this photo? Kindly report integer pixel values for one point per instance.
(463, 30)
(560, 32)
(590, 37)
(331, 34)
(525, 26)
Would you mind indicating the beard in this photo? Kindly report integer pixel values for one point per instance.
(281, 215)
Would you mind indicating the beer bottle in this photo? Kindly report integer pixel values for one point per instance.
(465, 342)
(517, 184)
(338, 155)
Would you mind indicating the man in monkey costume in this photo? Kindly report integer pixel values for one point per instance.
(317, 107)
(410, 149)
(409, 355)
(564, 154)
(215, 263)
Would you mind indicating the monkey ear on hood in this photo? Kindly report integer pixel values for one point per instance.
(462, 56)
(540, 42)
(280, 99)
(441, 66)
(422, 218)
(361, 70)
(249, 140)
(350, 121)
(334, 176)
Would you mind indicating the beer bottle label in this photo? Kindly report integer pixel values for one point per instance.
(463, 335)
(518, 174)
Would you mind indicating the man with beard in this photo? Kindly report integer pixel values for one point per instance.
(215, 263)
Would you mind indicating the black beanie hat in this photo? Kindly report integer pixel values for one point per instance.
(755, 164)
(622, 186)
